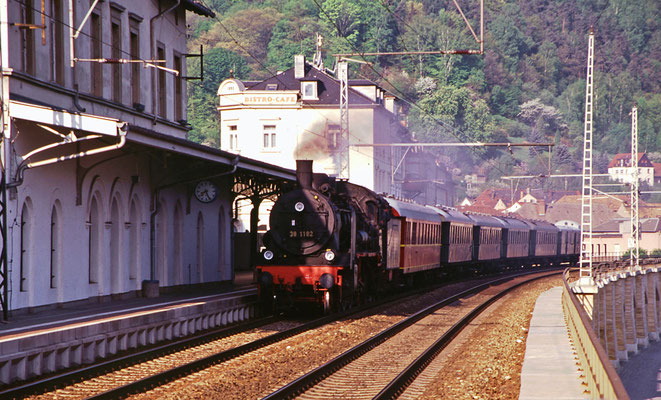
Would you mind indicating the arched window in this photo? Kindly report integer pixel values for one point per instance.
(115, 247)
(161, 244)
(221, 240)
(26, 242)
(178, 244)
(94, 241)
(54, 246)
(134, 241)
(200, 245)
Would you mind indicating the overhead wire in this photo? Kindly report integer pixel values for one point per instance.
(452, 130)
(275, 75)
(110, 45)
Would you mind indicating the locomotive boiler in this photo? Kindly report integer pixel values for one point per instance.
(325, 238)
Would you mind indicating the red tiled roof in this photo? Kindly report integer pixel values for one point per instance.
(624, 160)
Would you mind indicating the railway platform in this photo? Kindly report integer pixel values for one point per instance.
(46, 341)
(549, 369)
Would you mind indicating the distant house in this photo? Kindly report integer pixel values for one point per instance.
(657, 172)
(611, 238)
(621, 170)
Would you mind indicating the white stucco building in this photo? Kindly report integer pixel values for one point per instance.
(101, 179)
(620, 168)
(296, 115)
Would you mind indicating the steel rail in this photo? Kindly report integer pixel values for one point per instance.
(161, 378)
(308, 380)
(81, 374)
(397, 386)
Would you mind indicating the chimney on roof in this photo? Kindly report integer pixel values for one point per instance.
(299, 66)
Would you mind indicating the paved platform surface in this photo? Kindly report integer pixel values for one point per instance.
(641, 375)
(549, 369)
(24, 323)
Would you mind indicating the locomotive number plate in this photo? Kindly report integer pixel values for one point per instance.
(301, 234)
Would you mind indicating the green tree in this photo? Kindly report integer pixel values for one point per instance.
(219, 64)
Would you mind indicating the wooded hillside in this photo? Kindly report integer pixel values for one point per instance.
(529, 84)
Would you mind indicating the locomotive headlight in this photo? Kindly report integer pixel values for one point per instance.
(299, 206)
(326, 280)
(329, 255)
(268, 255)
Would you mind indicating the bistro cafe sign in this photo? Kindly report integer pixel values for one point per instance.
(270, 98)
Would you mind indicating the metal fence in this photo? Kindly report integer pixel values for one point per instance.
(599, 374)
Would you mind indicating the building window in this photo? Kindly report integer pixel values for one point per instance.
(200, 248)
(178, 90)
(96, 73)
(272, 86)
(27, 37)
(26, 242)
(94, 241)
(333, 136)
(162, 84)
(57, 42)
(134, 26)
(234, 137)
(116, 53)
(134, 241)
(268, 142)
(54, 246)
(309, 90)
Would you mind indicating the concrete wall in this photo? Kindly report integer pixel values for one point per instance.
(102, 246)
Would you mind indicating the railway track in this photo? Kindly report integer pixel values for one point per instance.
(84, 382)
(140, 372)
(409, 346)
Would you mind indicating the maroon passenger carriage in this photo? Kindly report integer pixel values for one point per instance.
(333, 243)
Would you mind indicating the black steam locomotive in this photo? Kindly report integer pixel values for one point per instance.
(332, 243)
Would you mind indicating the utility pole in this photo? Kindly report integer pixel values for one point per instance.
(635, 233)
(343, 74)
(585, 263)
(4, 155)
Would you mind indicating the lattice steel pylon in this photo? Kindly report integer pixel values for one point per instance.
(635, 221)
(343, 145)
(585, 262)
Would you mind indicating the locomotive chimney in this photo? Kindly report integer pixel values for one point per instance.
(304, 173)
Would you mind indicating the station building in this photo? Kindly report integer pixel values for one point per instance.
(104, 195)
(296, 115)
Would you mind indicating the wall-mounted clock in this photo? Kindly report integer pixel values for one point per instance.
(206, 191)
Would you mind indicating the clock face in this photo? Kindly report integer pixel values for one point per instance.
(206, 191)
